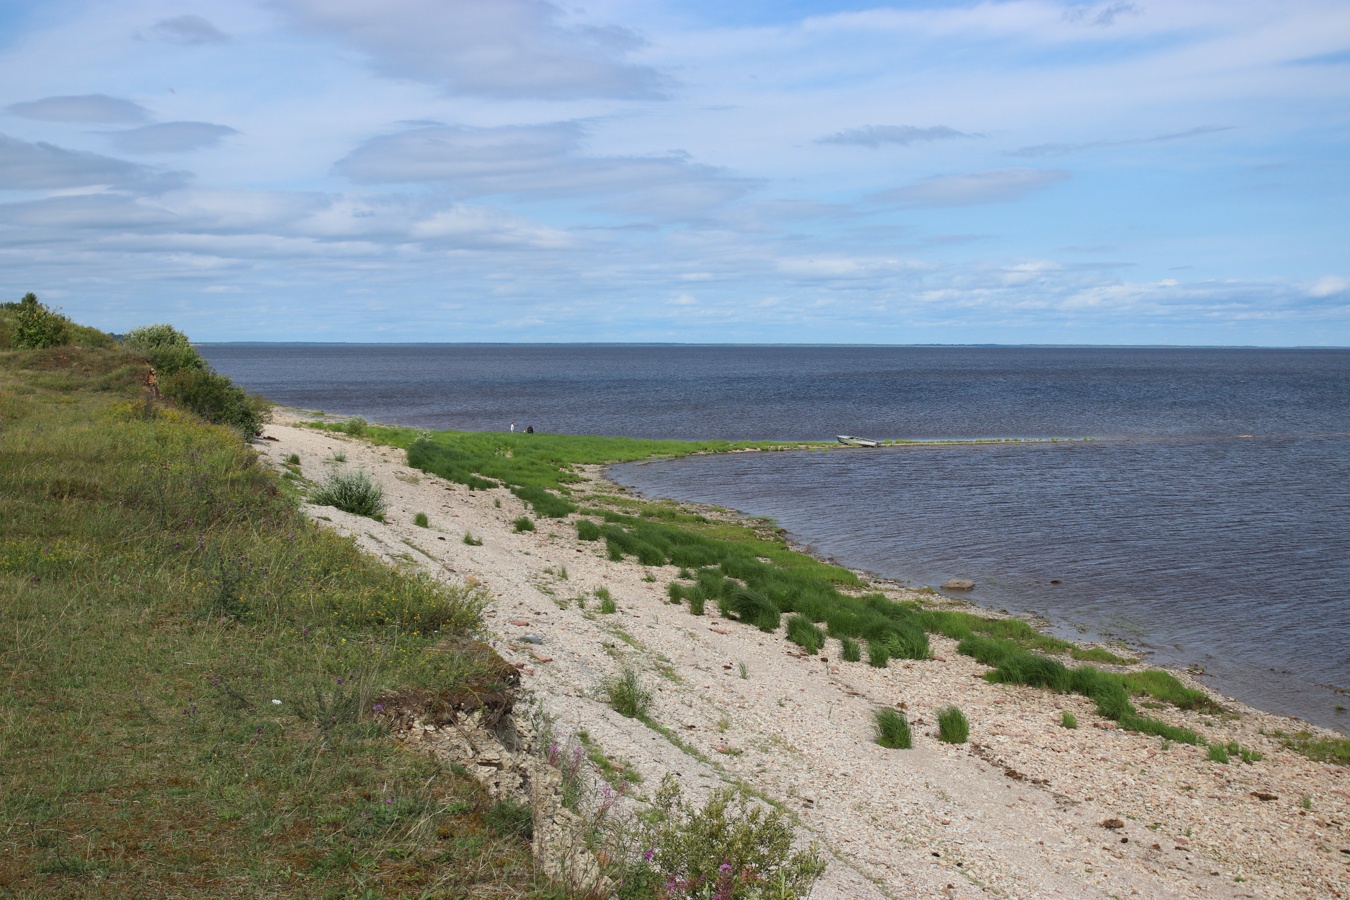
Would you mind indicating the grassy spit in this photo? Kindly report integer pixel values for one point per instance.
(192, 672)
(752, 575)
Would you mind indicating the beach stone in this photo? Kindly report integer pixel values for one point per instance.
(532, 638)
(1113, 824)
(958, 584)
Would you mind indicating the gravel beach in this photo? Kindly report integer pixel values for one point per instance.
(1025, 808)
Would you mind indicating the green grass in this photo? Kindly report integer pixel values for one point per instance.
(893, 729)
(523, 523)
(421, 521)
(1316, 747)
(353, 492)
(1012, 664)
(953, 727)
(161, 591)
(849, 651)
(537, 468)
(805, 634)
(1068, 720)
(471, 540)
(628, 696)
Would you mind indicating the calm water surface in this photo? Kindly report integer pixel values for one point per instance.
(1205, 521)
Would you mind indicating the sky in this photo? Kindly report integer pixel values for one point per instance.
(763, 171)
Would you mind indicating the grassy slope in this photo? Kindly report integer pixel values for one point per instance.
(158, 591)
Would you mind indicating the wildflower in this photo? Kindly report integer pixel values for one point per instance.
(378, 707)
(388, 801)
(339, 679)
(647, 857)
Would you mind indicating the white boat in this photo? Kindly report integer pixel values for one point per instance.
(850, 441)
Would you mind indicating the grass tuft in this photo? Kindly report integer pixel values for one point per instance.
(627, 695)
(353, 492)
(523, 523)
(893, 729)
(953, 727)
(421, 521)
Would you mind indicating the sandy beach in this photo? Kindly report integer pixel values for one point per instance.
(1025, 808)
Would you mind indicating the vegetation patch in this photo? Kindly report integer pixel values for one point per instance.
(208, 668)
(953, 727)
(352, 491)
(893, 729)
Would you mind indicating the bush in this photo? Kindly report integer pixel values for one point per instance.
(729, 848)
(893, 729)
(37, 326)
(1068, 720)
(352, 492)
(627, 696)
(217, 399)
(953, 727)
(164, 347)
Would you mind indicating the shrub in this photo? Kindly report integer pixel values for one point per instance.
(523, 523)
(1068, 720)
(421, 521)
(164, 347)
(352, 492)
(355, 426)
(37, 326)
(953, 727)
(893, 729)
(805, 634)
(627, 696)
(217, 399)
(731, 847)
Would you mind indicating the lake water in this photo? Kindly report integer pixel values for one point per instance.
(1205, 521)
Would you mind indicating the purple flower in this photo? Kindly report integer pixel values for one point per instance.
(388, 801)
(339, 679)
(647, 857)
(725, 868)
(378, 707)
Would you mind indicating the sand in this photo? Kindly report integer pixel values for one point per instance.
(1017, 811)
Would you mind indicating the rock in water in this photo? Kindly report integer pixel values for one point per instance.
(958, 584)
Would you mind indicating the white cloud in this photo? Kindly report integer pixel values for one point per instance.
(900, 135)
(189, 29)
(86, 108)
(540, 161)
(990, 186)
(1061, 149)
(502, 48)
(28, 166)
(1330, 286)
(171, 137)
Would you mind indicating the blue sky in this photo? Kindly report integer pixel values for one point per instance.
(652, 170)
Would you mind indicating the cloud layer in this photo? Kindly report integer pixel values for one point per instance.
(972, 170)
